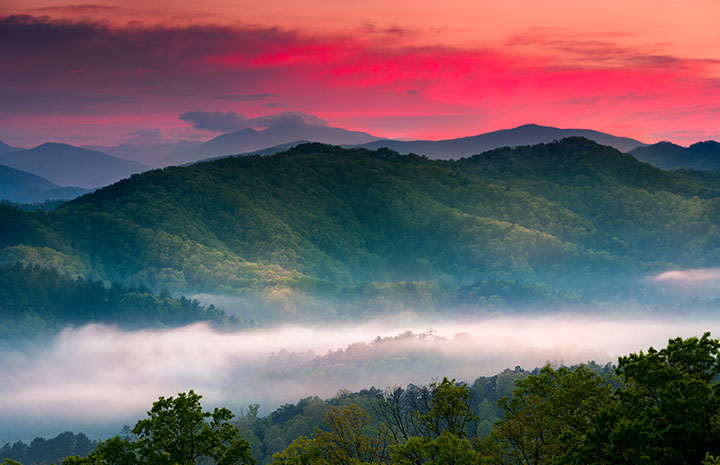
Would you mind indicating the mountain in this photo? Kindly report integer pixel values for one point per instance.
(320, 222)
(704, 156)
(146, 154)
(268, 151)
(250, 140)
(67, 165)
(19, 186)
(5, 148)
(528, 134)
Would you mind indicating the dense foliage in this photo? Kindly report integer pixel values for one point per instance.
(176, 432)
(36, 300)
(660, 407)
(46, 451)
(304, 229)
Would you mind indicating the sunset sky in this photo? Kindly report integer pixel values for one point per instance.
(123, 72)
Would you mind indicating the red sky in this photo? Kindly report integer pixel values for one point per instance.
(122, 72)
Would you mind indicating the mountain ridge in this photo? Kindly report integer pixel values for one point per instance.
(702, 156)
(249, 140)
(527, 134)
(67, 165)
(23, 187)
(572, 215)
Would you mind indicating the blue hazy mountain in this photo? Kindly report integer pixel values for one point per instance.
(66, 165)
(528, 134)
(22, 187)
(250, 140)
(277, 139)
(5, 148)
(703, 156)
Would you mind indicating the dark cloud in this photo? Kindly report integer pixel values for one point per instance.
(50, 57)
(215, 121)
(288, 117)
(231, 121)
(84, 8)
(599, 52)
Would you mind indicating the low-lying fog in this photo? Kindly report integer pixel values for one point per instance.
(96, 378)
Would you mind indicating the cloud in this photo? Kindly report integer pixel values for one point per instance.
(597, 81)
(288, 117)
(97, 378)
(701, 277)
(215, 121)
(231, 121)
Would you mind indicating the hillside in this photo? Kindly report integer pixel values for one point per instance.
(571, 215)
(36, 301)
(67, 165)
(528, 134)
(704, 156)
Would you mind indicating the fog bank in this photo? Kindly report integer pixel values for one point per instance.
(96, 378)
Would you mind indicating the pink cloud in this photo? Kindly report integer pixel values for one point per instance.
(701, 277)
(63, 71)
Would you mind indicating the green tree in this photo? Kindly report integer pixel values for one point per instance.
(348, 440)
(446, 449)
(176, 432)
(548, 416)
(445, 425)
(667, 410)
(450, 409)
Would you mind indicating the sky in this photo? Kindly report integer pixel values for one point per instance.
(113, 72)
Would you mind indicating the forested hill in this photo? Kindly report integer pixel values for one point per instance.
(572, 214)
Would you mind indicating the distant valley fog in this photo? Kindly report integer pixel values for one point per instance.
(97, 378)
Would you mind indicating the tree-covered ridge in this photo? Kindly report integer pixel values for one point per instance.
(46, 451)
(36, 300)
(571, 214)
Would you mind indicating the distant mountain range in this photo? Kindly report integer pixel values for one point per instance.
(281, 138)
(528, 134)
(146, 154)
(21, 187)
(67, 165)
(249, 140)
(95, 166)
(571, 215)
(704, 156)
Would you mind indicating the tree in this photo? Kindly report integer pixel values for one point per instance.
(450, 409)
(548, 417)
(446, 449)
(347, 441)
(667, 411)
(176, 432)
(445, 422)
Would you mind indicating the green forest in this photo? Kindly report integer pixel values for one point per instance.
(654, 407)
(324, 232)
(36, 302)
